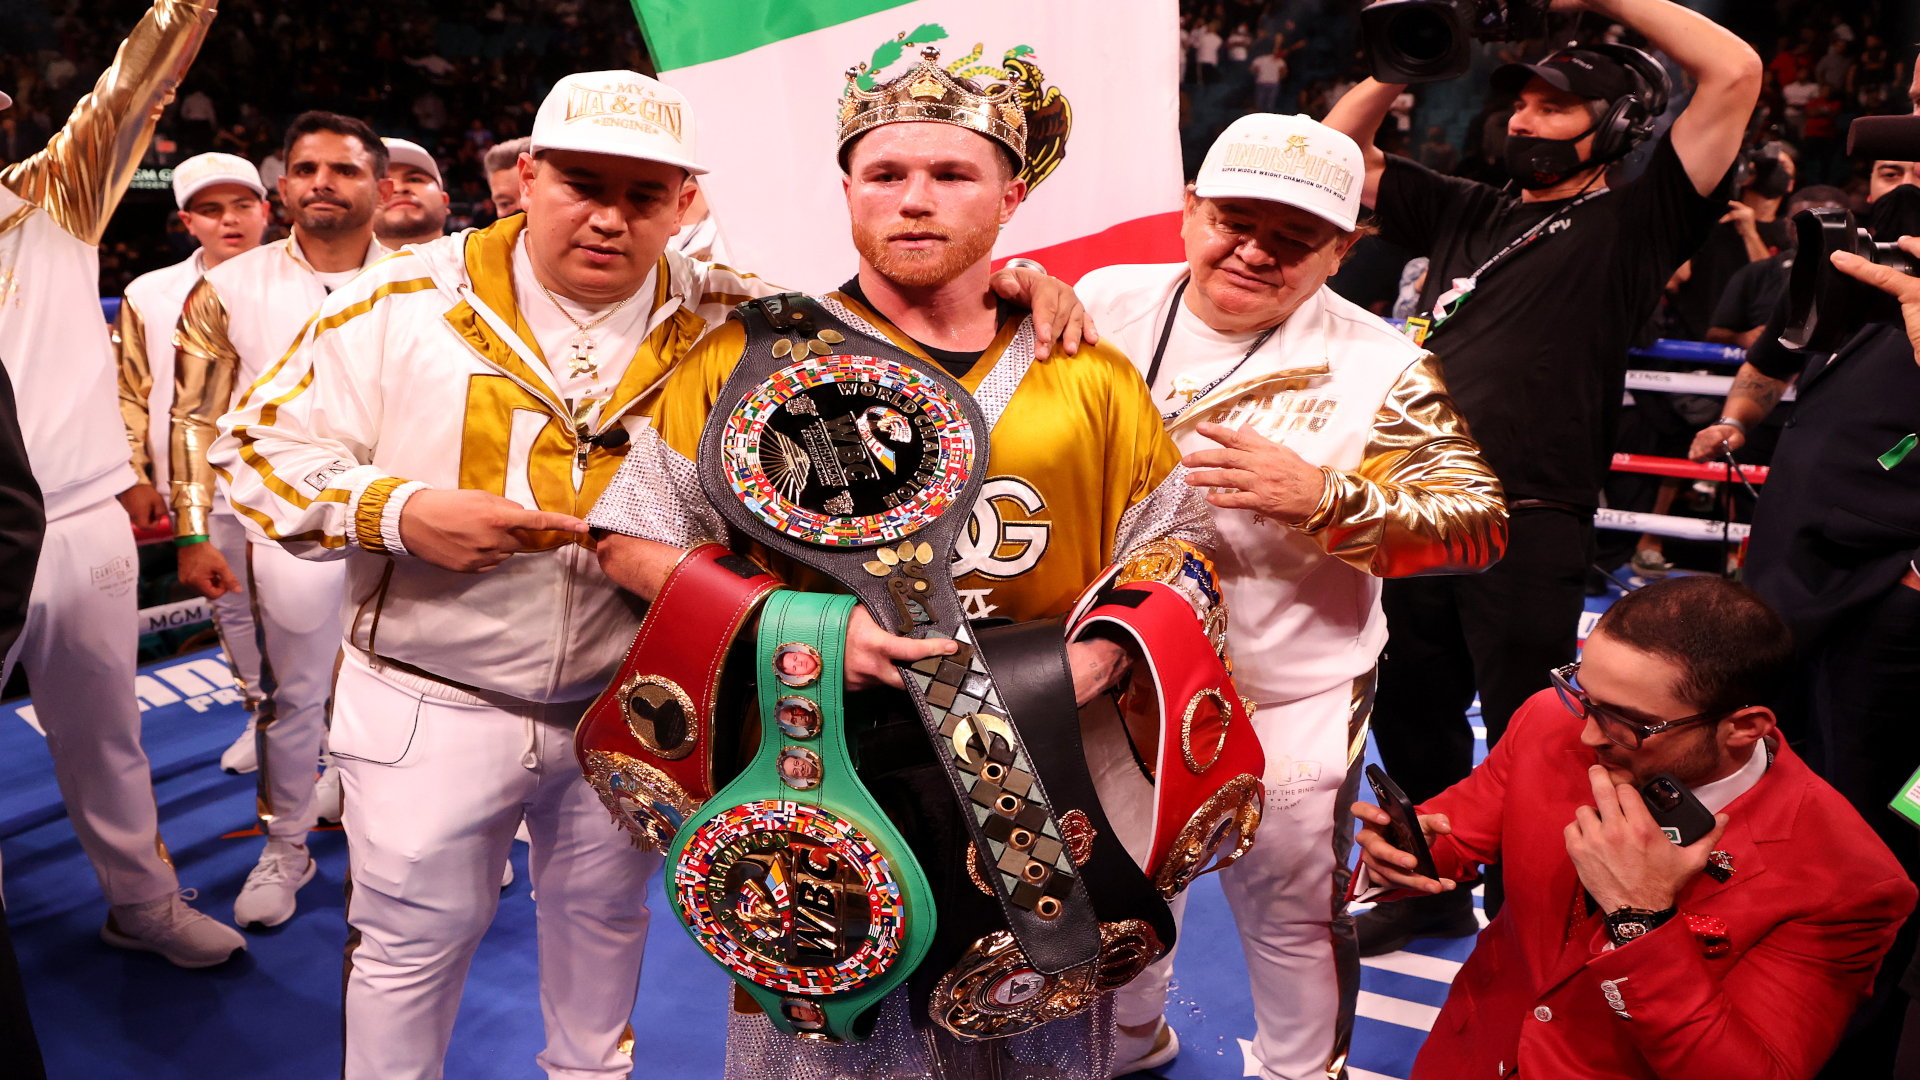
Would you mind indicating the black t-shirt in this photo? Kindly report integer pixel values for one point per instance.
(956, 363)
(1721, 255)
(1536, 359)
(1753, 293)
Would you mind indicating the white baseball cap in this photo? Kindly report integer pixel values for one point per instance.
(6, 102)
(623, 113)
(403, 152)
(1286, 159)
(202, 171)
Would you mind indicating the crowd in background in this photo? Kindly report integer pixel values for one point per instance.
(1827, 63)
(456, 76)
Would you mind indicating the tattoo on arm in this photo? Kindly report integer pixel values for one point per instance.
(1759, 389)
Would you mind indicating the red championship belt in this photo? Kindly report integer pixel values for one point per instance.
(1207, 788)
(647, 744)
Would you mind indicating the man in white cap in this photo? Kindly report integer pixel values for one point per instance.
(1333, 458)
(79, 644)
(416, 212)
(223, 205)
(237, 321)
(455, 410)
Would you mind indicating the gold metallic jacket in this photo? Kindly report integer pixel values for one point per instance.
(1423, 501)
(85, 169)
(205, 368)
(136, 382)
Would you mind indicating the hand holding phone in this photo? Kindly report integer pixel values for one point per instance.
(1395, 830)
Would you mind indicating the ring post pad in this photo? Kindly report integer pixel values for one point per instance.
(863, 461)
(791, 877)
(647, 743)
(1207, 787)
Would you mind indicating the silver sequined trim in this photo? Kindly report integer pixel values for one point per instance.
(997, 389)
(656, 495)
(1077, 1048)
(1175, 510)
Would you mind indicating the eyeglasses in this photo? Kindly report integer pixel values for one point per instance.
(1623, 732)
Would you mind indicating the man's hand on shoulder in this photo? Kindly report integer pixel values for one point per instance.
(1057, 311)
(205, 570)
(471, 531)
(1623, 858)
(1892, 282)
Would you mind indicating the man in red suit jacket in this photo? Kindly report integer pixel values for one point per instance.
(1620, 953)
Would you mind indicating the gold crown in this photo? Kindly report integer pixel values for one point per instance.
(929, 93)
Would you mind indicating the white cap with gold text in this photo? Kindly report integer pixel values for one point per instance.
(1286, 159)
(623, 113)
(202, 171)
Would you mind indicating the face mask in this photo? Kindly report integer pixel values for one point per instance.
(1536, 163)
(1895, 214)
(1770, 183)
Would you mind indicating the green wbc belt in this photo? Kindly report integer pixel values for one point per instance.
(791, 877)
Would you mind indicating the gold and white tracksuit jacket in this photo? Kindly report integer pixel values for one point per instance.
(143, 347)
(422, 373)
(54, 206)
(235, 322)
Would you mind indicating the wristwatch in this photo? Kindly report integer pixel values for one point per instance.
(1736, 425)
(1631, 924)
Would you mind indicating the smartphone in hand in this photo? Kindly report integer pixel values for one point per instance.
(1681, 816)
(1404, 830)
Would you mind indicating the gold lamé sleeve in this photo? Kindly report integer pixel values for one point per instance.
(205, 366)
(136, 384)
(1424, 500)
(79, 178)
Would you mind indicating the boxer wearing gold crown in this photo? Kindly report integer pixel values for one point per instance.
(899, 439)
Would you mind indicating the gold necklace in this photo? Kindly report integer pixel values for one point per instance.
(583, 361)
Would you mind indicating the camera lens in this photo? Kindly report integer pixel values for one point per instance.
(1665, 795)
(1421, 36)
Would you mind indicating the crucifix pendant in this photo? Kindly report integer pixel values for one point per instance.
(582, 362)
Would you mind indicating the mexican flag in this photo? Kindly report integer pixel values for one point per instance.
(765, 78)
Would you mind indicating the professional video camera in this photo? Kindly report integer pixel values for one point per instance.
(1415, 41)
(1826, 305)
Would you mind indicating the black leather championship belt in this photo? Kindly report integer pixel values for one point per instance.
(863, 461)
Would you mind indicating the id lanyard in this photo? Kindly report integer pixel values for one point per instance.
(1449, 303)
(1160, 351)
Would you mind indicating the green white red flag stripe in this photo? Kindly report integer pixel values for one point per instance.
(764, 78)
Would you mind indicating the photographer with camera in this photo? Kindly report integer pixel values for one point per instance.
(1530, 303)
(1734, 947)
(1837, 526)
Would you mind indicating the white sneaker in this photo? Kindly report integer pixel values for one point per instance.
(326, 796)
(267, 899)
(1138, 1053)
(169, 927)
(243, 756)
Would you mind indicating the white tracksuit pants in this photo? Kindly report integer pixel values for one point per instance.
(296, 615)
(233, 612)
(433, 793)
(1302, 959)
(78, 649)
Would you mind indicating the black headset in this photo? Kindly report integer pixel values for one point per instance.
(1629, 122)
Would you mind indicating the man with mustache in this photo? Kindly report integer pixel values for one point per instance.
(416, 212)
(437, 432)
(1078, 448)
(238, 321)
(1334, 459)
(224, 206)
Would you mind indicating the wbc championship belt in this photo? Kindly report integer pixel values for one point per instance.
(863, 461)
(791, 876)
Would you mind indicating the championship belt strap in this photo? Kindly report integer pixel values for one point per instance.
(1207, 769)
(647, 742)
(863, 461)
(791, 877)
(993, 992)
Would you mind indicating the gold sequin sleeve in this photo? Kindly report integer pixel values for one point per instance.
(136, 384)
(204, 368)
(79, 178)
(1424, 500)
